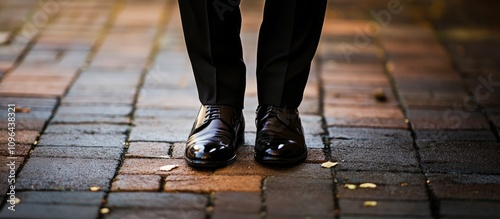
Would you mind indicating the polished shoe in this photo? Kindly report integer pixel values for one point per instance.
(280, 136)
(217, 132)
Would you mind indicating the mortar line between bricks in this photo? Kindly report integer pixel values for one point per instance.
(154, 50)
(433, 202)
(327, 149)
(102, 32)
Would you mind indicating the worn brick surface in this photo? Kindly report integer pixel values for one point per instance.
(290, 196)
(66, 174)
(461, 157)
(78, 152)
(136, 183)
(106, 140)
(152, 166)
(386, 208)
(462, 135)
(149, 150)
(243, 167)
(90, 60)
(21, 136)
(478, 209)
(171, 130)
(33, 210)
(87, 129)
(465, 186)
(165, 201)
(20, 150)
(348, 133)
(213, 183)
(240, 202)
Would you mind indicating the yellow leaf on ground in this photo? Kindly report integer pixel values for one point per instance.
(367, 186)
(168, 167)
(350, 186)
(95, 188)
(104, 210)
(369, 203)
(329, 164)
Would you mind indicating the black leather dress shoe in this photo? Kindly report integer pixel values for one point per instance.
(217, 132)
(280, 136)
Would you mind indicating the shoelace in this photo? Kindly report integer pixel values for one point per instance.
(213, 112)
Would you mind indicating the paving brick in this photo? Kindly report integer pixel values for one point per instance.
(347, 133)
(385, 208)
(458, 135)
(179, 148)
(148, 150)
(78, 152)
(61, 197)
(362, 157)
(312, 124)
(380, 178)
(385, 192)
(467, 208)
(439, 119)
(316, 156)
(292, 196)
(20, 150)
(205, 184)
(150, 200)
(5, 170)
(460, 157)
(136, 183)
(465, 186)
(109, 110)
(87, 129)
(42, 211)
(116, 140)
(152, 166)
(66, 174)
(26, 124)
(173, 98)
(34, 103)
(241, 202)
(373, 144)
(231, 215)
(247, 167)
(170, 130)
(154, 213)
(377, 117)
(90, 119)
(21, 136)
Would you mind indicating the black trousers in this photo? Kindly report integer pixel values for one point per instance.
(288, 40)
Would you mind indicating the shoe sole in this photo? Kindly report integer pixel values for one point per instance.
(216, 164)
(276, 161)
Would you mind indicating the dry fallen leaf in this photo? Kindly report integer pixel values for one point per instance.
(19, 109)
(367, 186)
(350, 186)
(104, 210)
(329, 164)
(168, 167)
(370, 203)
(95, 188)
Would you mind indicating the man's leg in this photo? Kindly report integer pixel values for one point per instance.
(288, 39)
(211, 29)
(212, 34)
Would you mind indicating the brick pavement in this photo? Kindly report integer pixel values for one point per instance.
(403, 94)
